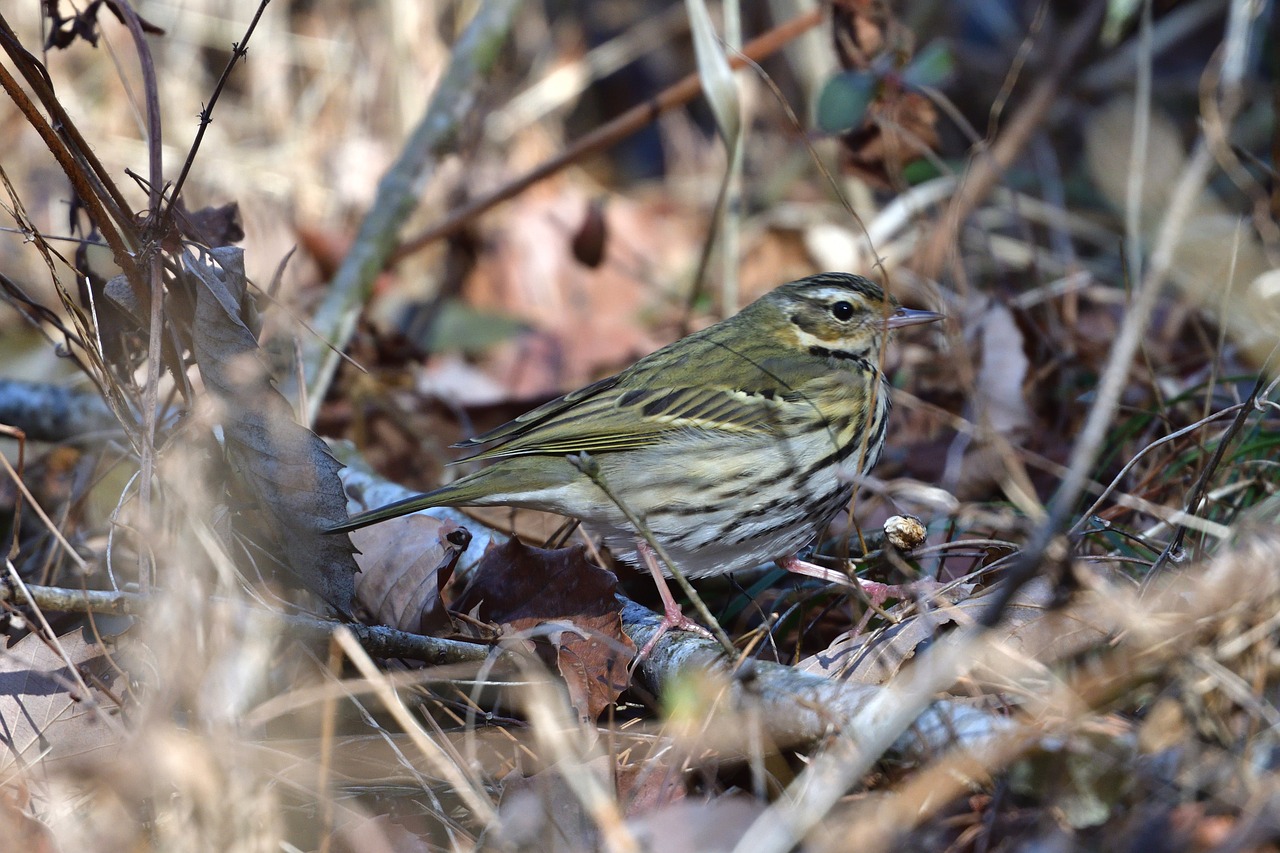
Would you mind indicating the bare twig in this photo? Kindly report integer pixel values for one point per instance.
(335, 319)
(238, 51)
(603, 137)
(377, 640)
(988, 166)
(113, 228)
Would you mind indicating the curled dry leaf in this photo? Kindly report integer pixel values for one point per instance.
(570, 609)
(404, 565)
(905, 532)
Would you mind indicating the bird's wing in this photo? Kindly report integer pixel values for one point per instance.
(669, 391)
(533, 418)
(616, 419)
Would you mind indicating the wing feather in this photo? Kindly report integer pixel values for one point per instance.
(607, 422)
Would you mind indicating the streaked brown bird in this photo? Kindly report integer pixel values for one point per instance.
(734, 446)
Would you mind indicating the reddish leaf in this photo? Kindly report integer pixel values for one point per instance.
(523, 588)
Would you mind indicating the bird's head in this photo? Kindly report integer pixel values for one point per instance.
(837, 315)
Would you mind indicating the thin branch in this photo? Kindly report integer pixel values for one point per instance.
(676, 95)
(155, 269)
(988, 166)
(238, 52)
(475, 53)
(122, 249)
(377, 640)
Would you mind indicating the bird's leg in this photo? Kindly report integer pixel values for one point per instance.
(876, 592)
(672, 616)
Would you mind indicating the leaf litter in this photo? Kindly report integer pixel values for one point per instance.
(1089, 660)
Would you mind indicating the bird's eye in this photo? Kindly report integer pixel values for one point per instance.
(841, 310)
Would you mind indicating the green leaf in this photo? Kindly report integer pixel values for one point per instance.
(459, 326)
(932, 66)
(844, 100)
(714, 73)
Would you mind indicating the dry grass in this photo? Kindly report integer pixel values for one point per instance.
(1125, 699)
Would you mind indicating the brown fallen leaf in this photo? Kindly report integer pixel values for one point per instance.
(570, 608)
(692, 827)
(644, 786)
(541, 812)
(404, 565)
(45, 715)
(583, 320)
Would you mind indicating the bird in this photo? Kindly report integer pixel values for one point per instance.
(733, 446)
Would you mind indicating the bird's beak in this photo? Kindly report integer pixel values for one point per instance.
(910, 317)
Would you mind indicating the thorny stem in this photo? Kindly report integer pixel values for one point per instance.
(238, 52)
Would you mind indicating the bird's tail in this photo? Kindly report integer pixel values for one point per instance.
(501, 484)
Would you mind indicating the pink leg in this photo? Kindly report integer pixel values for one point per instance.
(672, 617)
(877, 592)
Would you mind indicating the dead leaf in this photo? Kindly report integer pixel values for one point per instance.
(570, 603)
(696, 827)
(211, 226)
(584, 320)
(998, 390)
(899, 126)
(648, 785)
(404, 565)
(44, 716)
(288, 471)
(1031, 629)
(541, 812)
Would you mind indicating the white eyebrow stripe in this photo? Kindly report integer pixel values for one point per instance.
(828, 293)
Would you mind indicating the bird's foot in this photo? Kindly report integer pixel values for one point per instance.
(672, 619)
